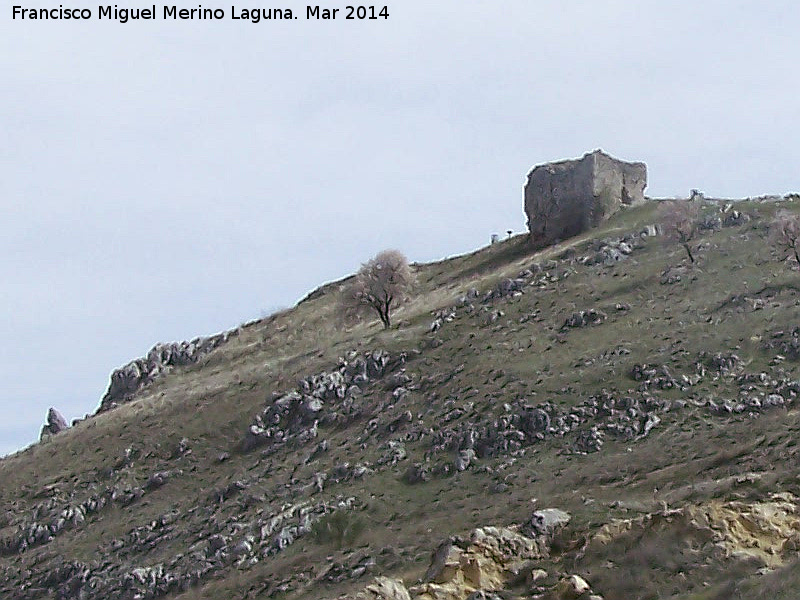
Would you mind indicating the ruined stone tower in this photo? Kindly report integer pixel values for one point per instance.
(565, 198)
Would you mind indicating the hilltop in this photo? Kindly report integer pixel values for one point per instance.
(599, 411)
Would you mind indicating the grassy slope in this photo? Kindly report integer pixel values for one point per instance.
(521, 355)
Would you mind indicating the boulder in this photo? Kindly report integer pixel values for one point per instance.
(573, 587)
(546, 522)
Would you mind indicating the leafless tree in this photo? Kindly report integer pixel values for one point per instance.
(381, 284)
(785, 234)
(680, 222)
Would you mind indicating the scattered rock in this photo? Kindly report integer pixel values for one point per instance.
(735, 218)
(723, 363)
(327, 397)
(216, 543)
(787, 342)
(588, 441)
(464, 459)
(655, 377)
(585, 318)
(650, 231)
(156, 480)
(182, 449)
(506, 288)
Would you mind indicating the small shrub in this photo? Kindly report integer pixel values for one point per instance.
(681, 222)
(785, 235)
(338, 529)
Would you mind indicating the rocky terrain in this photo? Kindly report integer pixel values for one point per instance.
(597, 419)
(131, 378)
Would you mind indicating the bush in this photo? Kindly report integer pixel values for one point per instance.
(681, 222)
(785, 235)
(339, 529)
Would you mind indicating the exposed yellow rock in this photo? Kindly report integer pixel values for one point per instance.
(484, 564)
(768, 531)
(384, 588)
(493, 558)
(762, 530)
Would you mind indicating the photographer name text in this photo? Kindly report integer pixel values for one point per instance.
(200, 13)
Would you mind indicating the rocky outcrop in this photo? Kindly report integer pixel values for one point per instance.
(565, 198)
(766, 531)
(326, 398)
(384, 588)
(56, 423)
(484, 563)
(506, 562)
(128, 380)
(488, 564)
(212, 550)
(523, 424)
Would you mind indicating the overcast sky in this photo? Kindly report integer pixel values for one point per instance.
(163, 180)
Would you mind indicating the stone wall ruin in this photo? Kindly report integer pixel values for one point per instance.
(568, 197)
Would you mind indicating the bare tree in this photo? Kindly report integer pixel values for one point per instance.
(381, 284)
(680, 222)
(785, 234)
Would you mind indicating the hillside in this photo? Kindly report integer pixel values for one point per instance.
(652, 400)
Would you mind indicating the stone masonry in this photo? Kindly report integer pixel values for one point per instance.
(565, 198)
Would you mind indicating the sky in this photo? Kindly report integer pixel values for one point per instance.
(161, 180)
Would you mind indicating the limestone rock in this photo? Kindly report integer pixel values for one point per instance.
(589, 440)
(546, 522)
(584, 318)
(326, 398)
(485, 563)
(129, 379)
(764, 531)
(384, 588)
(573, 587)
(565, 198)
(56, 423)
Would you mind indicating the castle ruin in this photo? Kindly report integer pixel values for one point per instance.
(565, 198)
